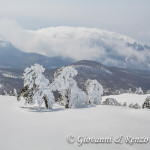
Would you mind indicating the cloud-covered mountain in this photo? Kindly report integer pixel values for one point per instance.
(106, 47)
(80, 43)
(11, 57)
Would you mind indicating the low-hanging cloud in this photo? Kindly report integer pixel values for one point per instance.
(76, 43)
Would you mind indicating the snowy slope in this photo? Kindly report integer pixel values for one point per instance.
(23, 128)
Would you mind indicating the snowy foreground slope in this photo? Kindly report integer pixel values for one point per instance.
(25, 128)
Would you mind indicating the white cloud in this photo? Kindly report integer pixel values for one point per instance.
(74, 42)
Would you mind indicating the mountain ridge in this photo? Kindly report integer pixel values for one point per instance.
(11, 57)
(111, 78)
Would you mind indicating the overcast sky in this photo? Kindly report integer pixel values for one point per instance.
(129, 17)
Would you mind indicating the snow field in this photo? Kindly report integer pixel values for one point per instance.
(27, 128)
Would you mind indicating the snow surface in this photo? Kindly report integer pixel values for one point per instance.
(26, 128)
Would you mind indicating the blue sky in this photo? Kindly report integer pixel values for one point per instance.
(129, 17)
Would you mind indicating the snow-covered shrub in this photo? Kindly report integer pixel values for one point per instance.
(131, 105)
(10, 93)
(124, 104)
(106, 91)
(136, 106)
(94, 91)
(111, 101)
(36, 87)
(70, 95)
(4, 93)
(139, 91)
(148, 92)
(146, 104)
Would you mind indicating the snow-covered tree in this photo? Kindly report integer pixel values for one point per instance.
(146, 103)
(139, 91)
(15, 92)
(70, 95)
(129, 90)
(124, 104)
(77, 97)
(117, 92)
(94, 91)
(36, 87)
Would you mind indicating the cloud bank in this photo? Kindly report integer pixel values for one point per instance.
(77, 43)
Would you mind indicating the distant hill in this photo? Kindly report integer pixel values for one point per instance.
(111, 78)
(11, 57)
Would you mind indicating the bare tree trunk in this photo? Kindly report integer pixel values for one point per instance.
(66, 106)
(46, 103)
